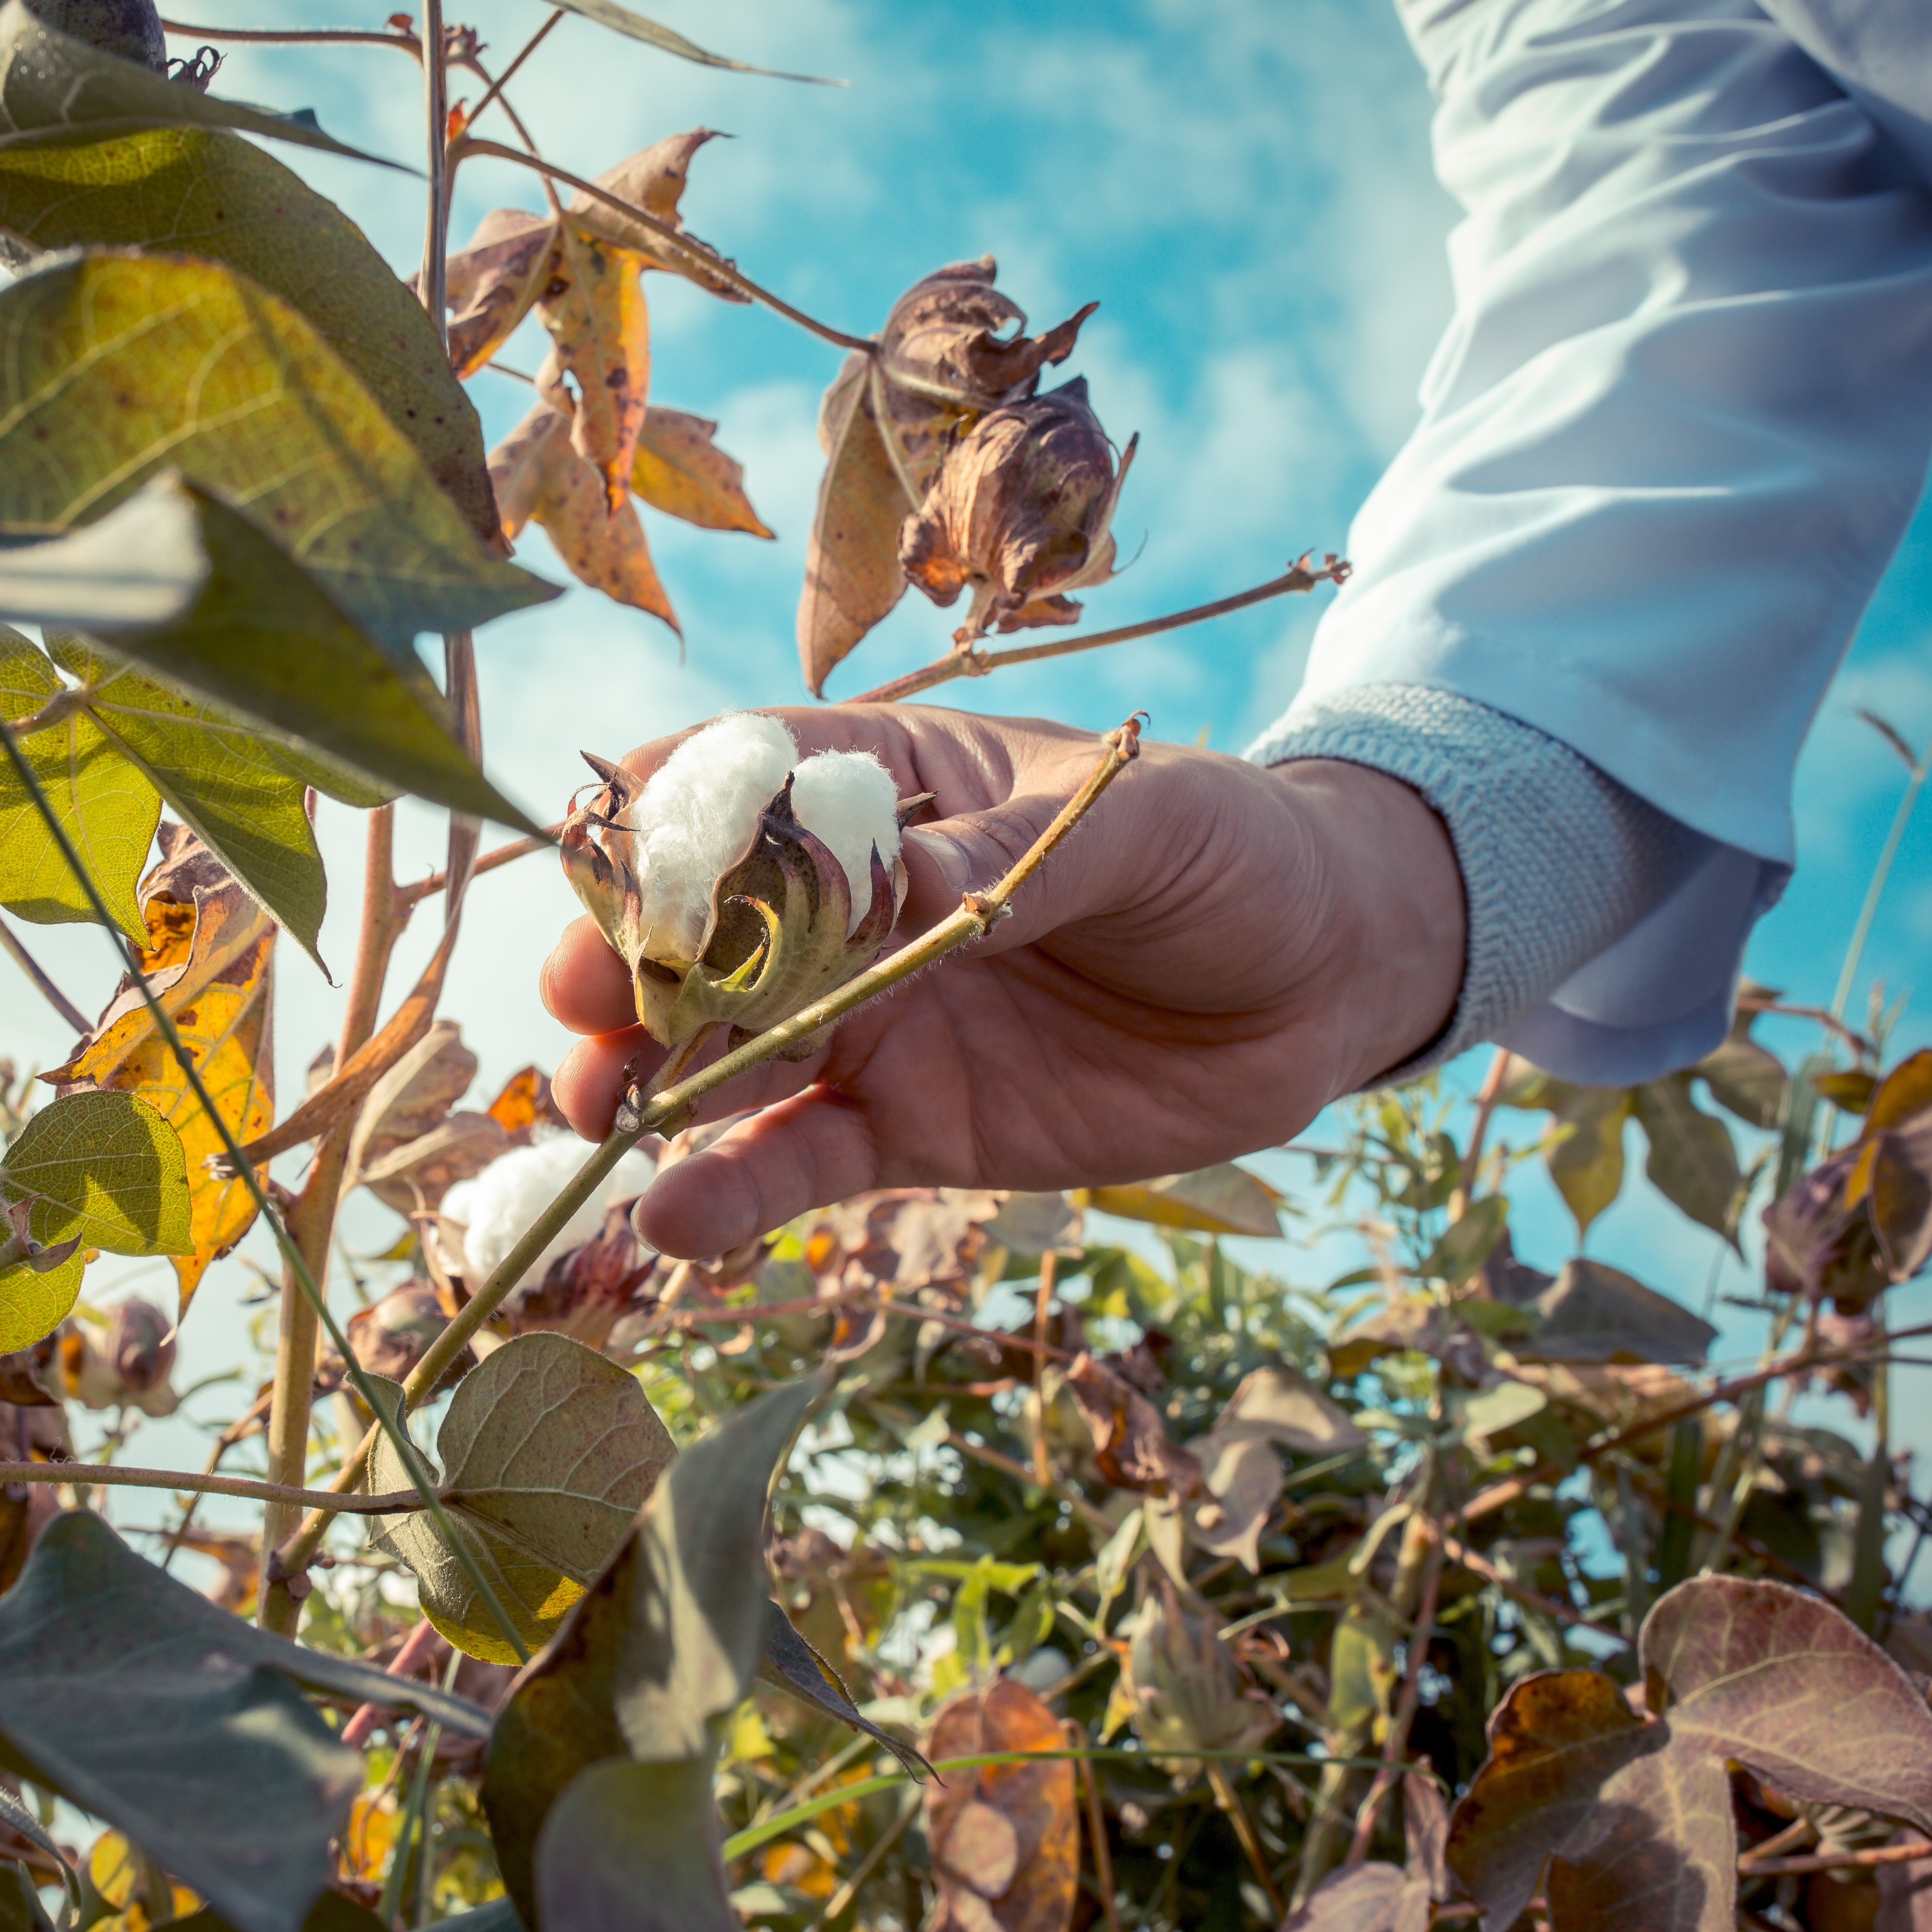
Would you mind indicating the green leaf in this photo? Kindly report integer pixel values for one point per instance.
(123, 364)
(221, 781)
(107, 809)
(635, 26)
(253, 633)
(50, 81)
(104, 1169)
(20, 1907)
(1587, 1162)
(634, 1848)
(215, 195)
(133, 1697)
(1221, 1200)
(665, 1642)
(34, 1303)
(549, 1451)
(790, 1664)
(1693, 1161)
(1468, 1242)
(17, 1818)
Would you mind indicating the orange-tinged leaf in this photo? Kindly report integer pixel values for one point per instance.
(1006, 1838)
(852, 574)
(681, 471)
(1221, 1200)
(1851, 1090)
(524, 1101)
(210, 955)
(1906, 1090)
(599, 326)
(541, 479)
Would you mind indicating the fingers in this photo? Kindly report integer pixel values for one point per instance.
(806, 1152)
(584, 983)
(591, 1081)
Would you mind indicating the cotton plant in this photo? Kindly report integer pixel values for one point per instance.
(739, 883)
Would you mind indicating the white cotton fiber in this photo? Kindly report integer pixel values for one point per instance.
(695, 818)
(499, 1206)
(849, 802)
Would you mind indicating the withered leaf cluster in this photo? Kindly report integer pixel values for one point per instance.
(946, 469)
(593, 443)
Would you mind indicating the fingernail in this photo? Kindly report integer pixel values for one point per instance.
(946, 852)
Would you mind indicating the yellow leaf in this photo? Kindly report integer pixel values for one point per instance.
(681, 471)
(134, 1888)
(541, 479)
(209, 954)
(367, 1844)
(599, 326)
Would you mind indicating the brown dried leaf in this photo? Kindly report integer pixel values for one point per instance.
(493, 282)
(852, 574)
(1019, 512)
(1693, 1160)
(901, 1241)
(945, 364)
(654, 179)
(1006, 1838)
(1371, 1897)
(1633, 1816)
(389, 1337)
(34, 1434)
(680, 470)
(417, 1175)
(540, 478)
(28, 1377)
(1594, 1313)
(1221, 1200)
(593, 306)
(414, 1096)
(1130, 1444)
(209, 956)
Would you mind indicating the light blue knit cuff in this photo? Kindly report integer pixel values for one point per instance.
(1558, 860)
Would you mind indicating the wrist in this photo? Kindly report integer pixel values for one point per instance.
(1389, 971)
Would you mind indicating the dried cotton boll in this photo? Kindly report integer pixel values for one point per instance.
(500, 1205)
(848, 801)
(693, 820)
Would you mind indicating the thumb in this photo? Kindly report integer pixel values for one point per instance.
(972, 852)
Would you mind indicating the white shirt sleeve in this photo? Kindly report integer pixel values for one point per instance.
(1673, 434)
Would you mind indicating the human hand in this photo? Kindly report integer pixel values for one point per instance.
(1218, 952)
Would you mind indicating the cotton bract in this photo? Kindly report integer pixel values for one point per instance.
(740, 883)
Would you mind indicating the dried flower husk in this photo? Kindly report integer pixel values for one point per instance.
(1021, 512)
(1186, 1689)
(777, 937)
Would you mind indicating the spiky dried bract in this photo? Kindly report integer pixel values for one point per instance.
(735, 891)
(1185, 1687)
(1019, 512)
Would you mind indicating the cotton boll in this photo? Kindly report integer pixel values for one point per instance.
(695, 818)
(849, 802)
(500, 1205)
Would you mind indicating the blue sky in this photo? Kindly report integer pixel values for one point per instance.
(1245, 190)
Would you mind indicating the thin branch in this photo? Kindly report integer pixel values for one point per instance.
(1485, 1108)
(714, 266)
(1042, 1465)
(1010, 1465)
(1564, 1613)
(1830, 1022)
(504, 79)
(1814, 1861)
(1229, 1800)
(1096, 1827)
(1396, 1743)
(111, 1475)
(435, 227)
(45, 987)
(405, 41)
(978, 914)
(978, 664)
(410, 896)
(410, 1456)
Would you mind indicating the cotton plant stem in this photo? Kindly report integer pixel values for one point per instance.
(312, 1226)
(44, 986)
(978, 914)
(977, 664)
(119, 1475)
(1096, 1827)
(1042, 1463)
(1397, 1742)
(410, 895)
(1814, 1861)
(1229, 1800)
(713, 266)
(436, 130)
(1479, 1129)
(504, 79)
(292, 37)
(1096, 1520)
(406, 1452)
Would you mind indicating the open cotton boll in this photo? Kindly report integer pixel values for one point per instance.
(694, 818)
(500, 1204)
(848, 801)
